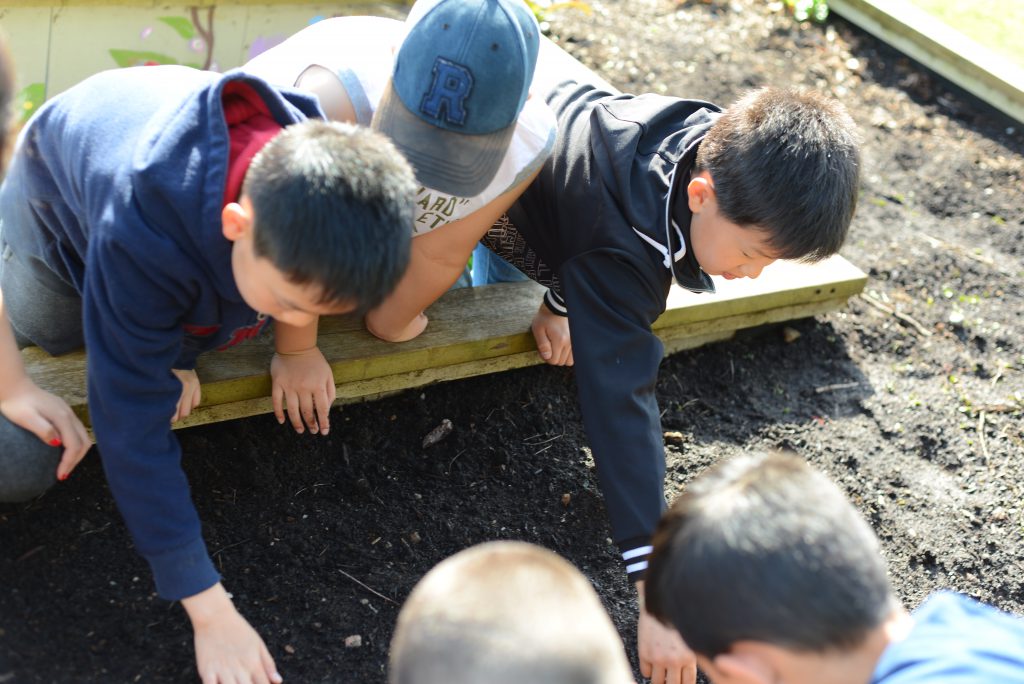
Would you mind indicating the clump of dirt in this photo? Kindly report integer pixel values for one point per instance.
(911, 398)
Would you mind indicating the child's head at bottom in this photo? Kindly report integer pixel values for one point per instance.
(506, 613)
(324, 222)
(784, 165)
(763, 553)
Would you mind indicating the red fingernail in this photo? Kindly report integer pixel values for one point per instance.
(64, 476)
(55, 441)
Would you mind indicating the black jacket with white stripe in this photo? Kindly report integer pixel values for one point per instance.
(608, 213)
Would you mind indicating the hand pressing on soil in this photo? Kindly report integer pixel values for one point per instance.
(551, 332)
(303, 383)
(228, 649)
(191, 393)
(664, 657)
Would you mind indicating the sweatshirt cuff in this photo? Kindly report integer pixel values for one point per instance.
(555, 303)
(183, 572)
(635, 552)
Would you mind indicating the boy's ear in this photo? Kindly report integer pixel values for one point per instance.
(743, 665)
(699, 190)
(236, 219)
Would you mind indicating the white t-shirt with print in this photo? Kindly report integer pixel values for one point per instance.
(360, 52)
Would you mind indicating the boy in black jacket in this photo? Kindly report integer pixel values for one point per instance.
(643, 190)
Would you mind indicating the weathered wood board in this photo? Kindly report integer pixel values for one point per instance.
(475, 331)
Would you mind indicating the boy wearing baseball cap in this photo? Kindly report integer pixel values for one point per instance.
(771, 575)
(450, 87)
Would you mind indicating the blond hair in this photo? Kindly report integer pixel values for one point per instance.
(504, 613)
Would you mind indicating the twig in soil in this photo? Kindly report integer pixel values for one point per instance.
(997, 408)
(31, 552)
(837, 386)
(368, 588)
(981, 437)
(959, 249)
(543, 441)
(229, 546)
(925, 332)
(454, 459)
(96, 531)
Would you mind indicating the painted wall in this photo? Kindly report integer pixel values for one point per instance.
(55, 46)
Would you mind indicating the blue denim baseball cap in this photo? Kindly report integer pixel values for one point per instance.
(460, 79)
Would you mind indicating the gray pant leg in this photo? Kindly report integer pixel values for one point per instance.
(46, 311)
(42, 308)
(27, 466)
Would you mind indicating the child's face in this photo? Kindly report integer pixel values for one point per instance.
(721, 247)
(262, 285)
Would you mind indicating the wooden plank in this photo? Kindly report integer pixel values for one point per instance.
(475, 331)
(942, 49)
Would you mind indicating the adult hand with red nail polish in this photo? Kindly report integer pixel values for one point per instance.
(47, 417)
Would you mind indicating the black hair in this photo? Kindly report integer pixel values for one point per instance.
(333, 207)
(786, 161)
(764, 548)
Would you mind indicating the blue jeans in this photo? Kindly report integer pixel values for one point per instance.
(490, 268)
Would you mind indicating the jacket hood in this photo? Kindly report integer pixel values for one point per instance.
(177, 161)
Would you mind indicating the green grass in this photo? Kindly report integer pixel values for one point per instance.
(996, 24)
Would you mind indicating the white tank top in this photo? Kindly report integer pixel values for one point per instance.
(360, 51)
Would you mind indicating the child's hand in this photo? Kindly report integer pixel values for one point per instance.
(379, 328)
(50, 419)
(664, 657)
(191, 394)
(303, 382)
(551, 332)
(228, 649)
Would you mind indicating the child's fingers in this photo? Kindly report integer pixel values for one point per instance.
(307, 410)
(323, 407)
(295, 412)
(76, 444)
(277, 397)
(269, 667)
(540, 335)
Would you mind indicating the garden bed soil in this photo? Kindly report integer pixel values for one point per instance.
(910, 398)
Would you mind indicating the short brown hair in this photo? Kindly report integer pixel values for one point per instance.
(506, 613)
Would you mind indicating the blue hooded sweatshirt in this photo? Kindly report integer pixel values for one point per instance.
(117, 185)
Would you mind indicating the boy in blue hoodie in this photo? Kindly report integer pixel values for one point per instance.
(771, 575)
(179, 221)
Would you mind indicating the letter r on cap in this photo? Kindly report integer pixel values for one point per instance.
(447, 95)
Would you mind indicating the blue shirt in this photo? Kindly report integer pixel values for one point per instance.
(956, 640)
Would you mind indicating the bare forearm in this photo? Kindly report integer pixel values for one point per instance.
(289, 339)
(12, 370)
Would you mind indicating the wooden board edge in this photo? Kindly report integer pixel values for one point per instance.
(968, 65)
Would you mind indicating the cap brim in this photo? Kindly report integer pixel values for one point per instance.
(453, 163)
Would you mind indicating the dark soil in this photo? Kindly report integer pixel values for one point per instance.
(917, 414)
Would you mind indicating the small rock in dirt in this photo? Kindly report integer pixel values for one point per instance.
(956, 317)
(790, 334)
(354, 641)
(438, 433)
(289, 649)
(566, 498)
(673, 437)
(999, 514)
(415, 538)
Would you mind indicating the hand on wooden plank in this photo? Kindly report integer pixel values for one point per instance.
(191, 393)
(303, 384)
(551, 332)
